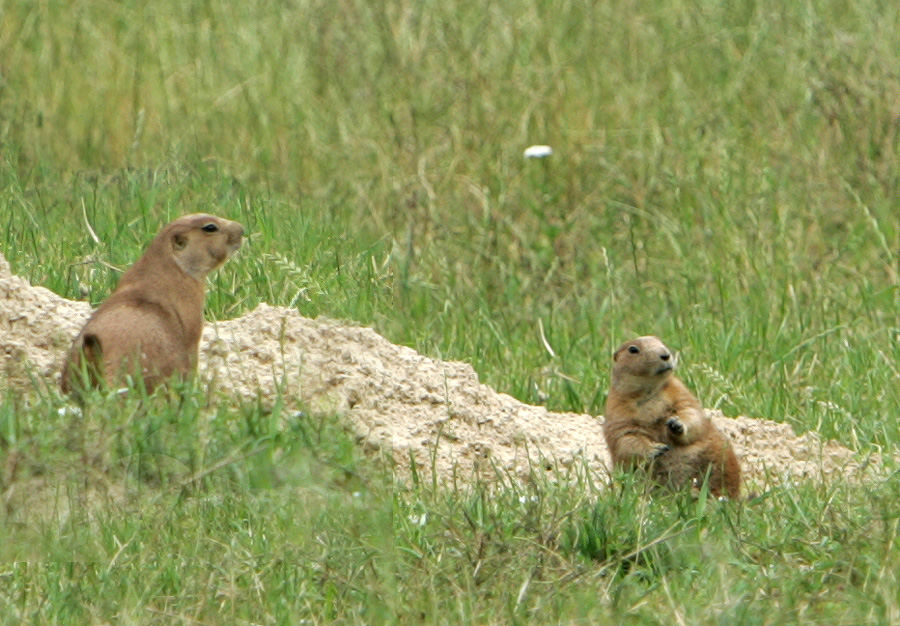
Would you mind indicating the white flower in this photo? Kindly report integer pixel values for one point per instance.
(538, 152)
(69, 410)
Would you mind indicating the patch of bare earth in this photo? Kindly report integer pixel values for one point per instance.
(435, 414)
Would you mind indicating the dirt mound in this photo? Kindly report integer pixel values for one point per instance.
(434, 412)
(36, 329)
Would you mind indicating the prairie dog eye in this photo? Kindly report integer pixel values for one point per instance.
(210, 228)
(633, 349)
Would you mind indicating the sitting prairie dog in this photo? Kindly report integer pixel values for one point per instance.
(653, 421)
(150, 325)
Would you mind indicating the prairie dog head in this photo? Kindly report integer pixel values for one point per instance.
(642, 365)
(201, 243)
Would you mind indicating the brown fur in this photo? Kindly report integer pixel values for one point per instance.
(150, 325)
(653, 421)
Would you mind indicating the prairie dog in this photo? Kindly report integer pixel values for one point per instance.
(151, 324)
(654, 421)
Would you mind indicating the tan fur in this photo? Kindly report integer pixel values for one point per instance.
(654, 421)
(150, 325)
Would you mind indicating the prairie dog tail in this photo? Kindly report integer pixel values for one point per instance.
(84, 368)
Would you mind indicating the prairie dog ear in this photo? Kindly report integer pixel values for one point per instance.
(179, 241)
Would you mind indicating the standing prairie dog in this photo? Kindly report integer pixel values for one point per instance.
(653, 421)
(150, 325)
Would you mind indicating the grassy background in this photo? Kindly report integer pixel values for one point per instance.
(724, 176)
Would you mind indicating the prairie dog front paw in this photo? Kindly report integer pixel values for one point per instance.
(658, 450)
(676, 427)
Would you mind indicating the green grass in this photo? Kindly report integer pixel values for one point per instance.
(724, 176)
